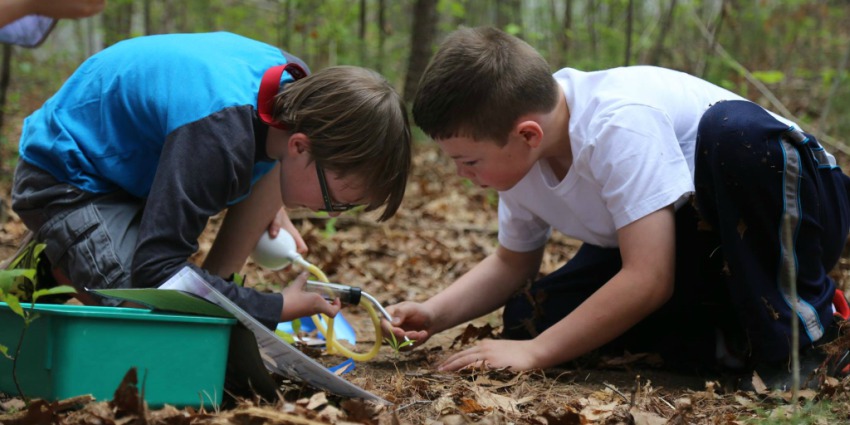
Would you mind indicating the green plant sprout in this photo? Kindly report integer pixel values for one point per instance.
(296, 331)
(18, 283)
(330, 227)
(396, 345)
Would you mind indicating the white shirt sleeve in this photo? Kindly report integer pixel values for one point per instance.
(637, 163)
(520, 230)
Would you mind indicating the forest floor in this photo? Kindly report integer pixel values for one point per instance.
(446, 226)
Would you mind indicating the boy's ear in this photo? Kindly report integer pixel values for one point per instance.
(530, 131)
(298, 143)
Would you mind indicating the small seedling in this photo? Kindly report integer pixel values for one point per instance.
(18, 283)
(330, 227)
(396, 345)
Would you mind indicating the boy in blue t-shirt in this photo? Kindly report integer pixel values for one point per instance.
(698, 211)
(122, 168)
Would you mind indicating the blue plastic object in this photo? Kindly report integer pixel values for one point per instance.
(342, 329)
(343, 368)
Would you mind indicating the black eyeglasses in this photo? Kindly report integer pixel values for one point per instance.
(326, 196)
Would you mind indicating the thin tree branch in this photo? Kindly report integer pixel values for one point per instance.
(759, 85)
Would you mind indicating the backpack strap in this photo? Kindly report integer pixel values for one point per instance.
(269, 86)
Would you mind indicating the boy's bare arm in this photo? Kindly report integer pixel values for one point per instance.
(243, 225)
(11, 10)
(643, 284)
(484, 288)
(481, 290)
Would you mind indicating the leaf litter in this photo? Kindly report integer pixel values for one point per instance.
(444, 227)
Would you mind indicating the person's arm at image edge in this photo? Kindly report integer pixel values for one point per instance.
(643, 284)
(483, 289)
(11, 10)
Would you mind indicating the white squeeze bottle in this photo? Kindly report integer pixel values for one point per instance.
(277, 253)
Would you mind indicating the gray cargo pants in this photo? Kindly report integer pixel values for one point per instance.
(89, 237)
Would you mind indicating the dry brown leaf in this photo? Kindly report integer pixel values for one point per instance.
(318, 400)
(758, 384)
(495, 401)
(597, 412)
(471, 406)
(473, 333)
(646, 418)
(567, 415)
(126, 400)
(444, 405)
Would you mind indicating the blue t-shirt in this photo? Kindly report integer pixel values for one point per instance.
(171, 119)
(106, 127)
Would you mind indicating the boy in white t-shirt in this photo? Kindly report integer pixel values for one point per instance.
(697, 209)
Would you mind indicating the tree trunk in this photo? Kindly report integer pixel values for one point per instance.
(382, 34)
(630, 18)
(5, 76)
(702, 65)
(508, 12)
(147, 18)
(592, 13)
(664, 30)
(361, 33)
(563, 34)
(167, 24)
(421, 38)
(116, 21)
(183, 17)
(285, 39)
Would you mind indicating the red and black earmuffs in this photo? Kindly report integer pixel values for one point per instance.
(269, 86)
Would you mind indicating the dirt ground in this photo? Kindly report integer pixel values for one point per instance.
(444, 227)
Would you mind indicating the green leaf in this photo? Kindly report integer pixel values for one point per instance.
(296, 326)
(62, 289)
(406, 343)
(8, 278)
(513, 29)
(285, 336)
(15, 305)
(28, 258)
(769, 77)
(5, 352)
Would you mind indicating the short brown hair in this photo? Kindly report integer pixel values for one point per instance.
(480, 81)
(357, 124)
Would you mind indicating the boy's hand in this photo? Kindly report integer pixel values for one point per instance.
(282, 221)
(494, 354)
(411, 320)
(297, 303)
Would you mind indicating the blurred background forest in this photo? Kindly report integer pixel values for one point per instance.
(789, 55)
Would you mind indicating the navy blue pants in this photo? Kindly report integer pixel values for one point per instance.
(769, 208)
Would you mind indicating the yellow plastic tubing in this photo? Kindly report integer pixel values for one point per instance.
(333, 346)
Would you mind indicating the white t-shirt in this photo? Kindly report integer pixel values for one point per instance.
(633, 133)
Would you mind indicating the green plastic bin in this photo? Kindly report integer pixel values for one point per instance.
(72, 350)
